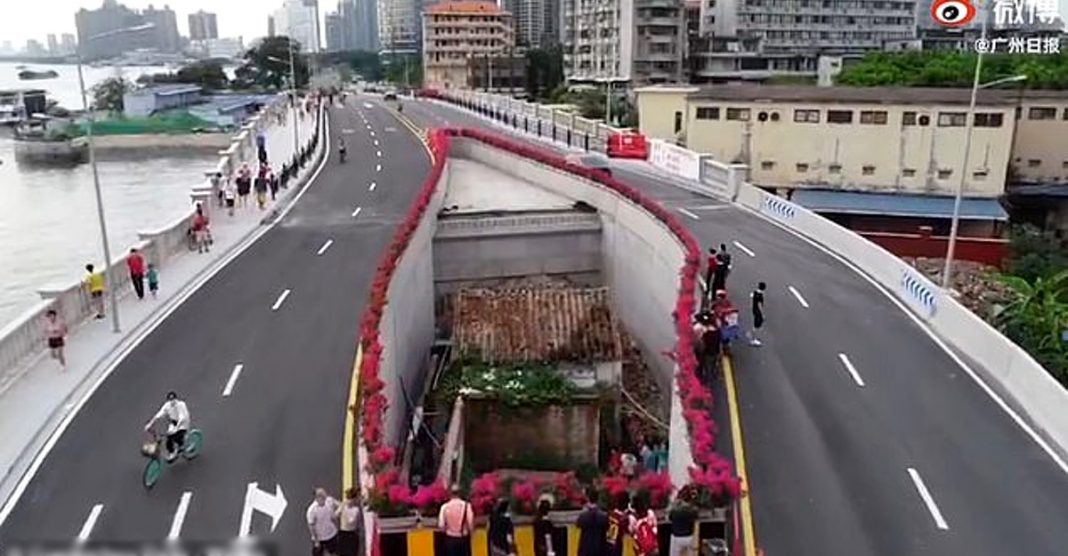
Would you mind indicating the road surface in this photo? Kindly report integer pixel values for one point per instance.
(863, 437)
(286, 311)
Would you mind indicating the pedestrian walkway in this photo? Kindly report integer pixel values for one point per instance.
(37, 397)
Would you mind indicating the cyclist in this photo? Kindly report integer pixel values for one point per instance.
(341, 148)
(178, 420)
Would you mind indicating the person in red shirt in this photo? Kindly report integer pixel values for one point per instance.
(618, 525)
(136, 264)
(200, 230)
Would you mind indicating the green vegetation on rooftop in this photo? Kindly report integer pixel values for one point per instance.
(935, 68)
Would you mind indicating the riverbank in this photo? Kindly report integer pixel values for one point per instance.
(209, 143)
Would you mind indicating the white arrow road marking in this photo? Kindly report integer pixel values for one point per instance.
(800, 299)
(281, 299)
(325, 246)
(690, 214)
(356, 212)
(90, 522)
(378, 168)
(274, 505)
(233, 379)
(372, 186)
(179, 516)
(852, 370)
(940, 521)
(744, 249)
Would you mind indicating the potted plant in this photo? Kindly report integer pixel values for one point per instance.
(428, 499)
(391, 501)
(655, 489)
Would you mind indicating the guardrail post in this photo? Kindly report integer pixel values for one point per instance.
(539, 127)
(569, 136)
(554, 130)
(526, 124)
(586, 142)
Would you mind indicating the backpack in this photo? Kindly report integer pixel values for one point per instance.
(645, 537)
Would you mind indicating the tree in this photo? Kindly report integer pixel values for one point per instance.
(1037, 320)
(107, 95)
(267, 65)
(938, 68)
(1035, 254)
(545, 71)
(207, 74)
(404, 71)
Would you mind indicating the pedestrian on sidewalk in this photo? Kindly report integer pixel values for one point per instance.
(244, 185)
(683, 519)
(230, 194)
(349, 524)
(56, 333)
(200, 230)
(260, 186)
(723, 268)
(757, 298)
(643, 527)
(261, 147)
(136, 264)
(710, 273)
(217, 188)
(457, 521)
(153, 279)
(94, 284)
(593, 526)
(272, 183)
(501, 534)
(320, 517)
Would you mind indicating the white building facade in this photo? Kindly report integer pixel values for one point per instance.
(296, 19)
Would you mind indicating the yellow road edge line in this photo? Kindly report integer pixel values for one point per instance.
(419, 133)
(349, 440)
(748, 532)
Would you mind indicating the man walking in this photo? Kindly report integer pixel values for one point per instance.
(710, 274)
(94, 283)
(757, 298)
(723, 268)
(136, 264)
(320, 516)
(593, 526)
(457, 521)
(683, 518)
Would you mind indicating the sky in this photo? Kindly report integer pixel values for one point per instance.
(35, 19)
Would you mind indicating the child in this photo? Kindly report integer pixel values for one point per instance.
(153, 279)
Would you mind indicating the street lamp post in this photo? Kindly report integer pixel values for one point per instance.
(969, 126)
(292, 94)
(108, 285)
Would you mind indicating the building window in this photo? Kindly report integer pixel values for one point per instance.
(678, 122)
(839, 116)
(767, 165)
(952, 119)
(980, 175)
(873, 117)
(908, 118)
(944, 174)
(738, 114)
(868, 170)
(1065, 116)
(1042, 113)
(802, 167)
(991, 119)
(1033, 163)
(807, 116)
(835, 168)
(1064, 164)
(908, 172)
(707, 112)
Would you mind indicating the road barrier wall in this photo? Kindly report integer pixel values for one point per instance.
(23, 339)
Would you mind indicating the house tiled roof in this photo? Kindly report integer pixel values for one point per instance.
(537, 324)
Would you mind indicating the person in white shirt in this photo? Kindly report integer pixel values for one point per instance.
(178, 421)
(320, 515)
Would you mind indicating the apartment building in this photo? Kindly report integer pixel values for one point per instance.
(458, 31)
(900, 146)
(640, 41)
(399, 25)
(537, 22)
(754, 39)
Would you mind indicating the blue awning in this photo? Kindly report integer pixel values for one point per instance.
(897, 204)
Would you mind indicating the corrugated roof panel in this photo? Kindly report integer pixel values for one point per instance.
(897, 204)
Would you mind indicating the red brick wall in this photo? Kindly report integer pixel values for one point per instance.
(495, 434)
(980, 250)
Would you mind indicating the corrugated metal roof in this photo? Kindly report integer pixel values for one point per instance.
(165, 90)
(897, 204)
(543, 324)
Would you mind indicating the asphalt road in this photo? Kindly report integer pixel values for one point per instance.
(282, 423)
(850, 406)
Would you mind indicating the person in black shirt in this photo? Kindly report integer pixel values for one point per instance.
(501, 531)
(683, 518)
(543, 530)
(723, 269)
(593, 526)
(758, 312)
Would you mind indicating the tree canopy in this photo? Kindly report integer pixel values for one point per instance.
(107, 95)
(267, 65)
(208, 74)
(545, 71)
(935, 68)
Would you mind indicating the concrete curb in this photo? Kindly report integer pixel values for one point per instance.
(17, 470)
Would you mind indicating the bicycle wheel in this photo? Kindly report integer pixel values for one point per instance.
(193, 441)
(153, 471)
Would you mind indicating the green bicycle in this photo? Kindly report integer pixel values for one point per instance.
(156, 447)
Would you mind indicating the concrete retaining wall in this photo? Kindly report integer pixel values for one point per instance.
(407, 327)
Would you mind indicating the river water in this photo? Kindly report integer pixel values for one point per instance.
(48, 217)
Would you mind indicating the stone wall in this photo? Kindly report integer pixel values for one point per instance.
(496, 435)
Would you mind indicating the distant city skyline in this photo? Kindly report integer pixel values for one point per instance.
(24, 21)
